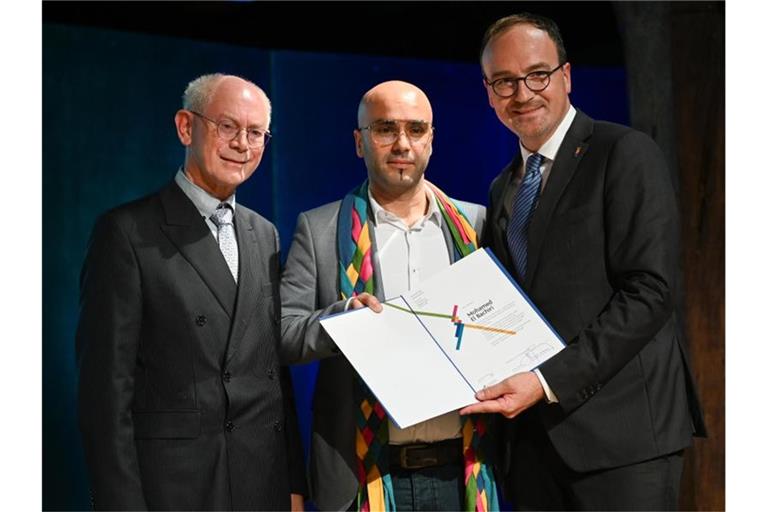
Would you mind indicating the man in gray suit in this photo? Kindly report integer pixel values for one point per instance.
(381, 240)
(182, 402)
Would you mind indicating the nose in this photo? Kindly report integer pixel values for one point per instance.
(523, 93)
(240, 141)
(402, 143)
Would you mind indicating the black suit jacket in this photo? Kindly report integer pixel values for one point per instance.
(182, 402)
(602, 265)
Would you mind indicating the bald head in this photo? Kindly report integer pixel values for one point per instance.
(396, 96)
(394, 137)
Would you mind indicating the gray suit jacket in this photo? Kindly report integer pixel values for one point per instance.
(310, 289)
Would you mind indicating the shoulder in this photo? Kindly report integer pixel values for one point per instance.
(323, 213)
(321, 221)
(472, 211)
(128, 215)
(613, 134)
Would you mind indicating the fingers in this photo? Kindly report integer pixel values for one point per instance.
(504, 405)
(366, 300)
(494, 391)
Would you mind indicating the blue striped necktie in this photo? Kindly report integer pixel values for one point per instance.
(522, 211)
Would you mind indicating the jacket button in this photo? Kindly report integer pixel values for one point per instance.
(227, 376)
(200, 320)
(229, 426)
(271, 374)
(278, 426)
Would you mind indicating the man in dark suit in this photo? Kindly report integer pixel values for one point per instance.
(182, 402)
(586, 220)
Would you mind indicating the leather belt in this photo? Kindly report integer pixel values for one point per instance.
(425, 455)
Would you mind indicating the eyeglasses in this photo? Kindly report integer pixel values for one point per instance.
(536, 81)
(228, 130)
(387, 131)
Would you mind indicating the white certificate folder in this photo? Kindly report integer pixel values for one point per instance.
(433, 348)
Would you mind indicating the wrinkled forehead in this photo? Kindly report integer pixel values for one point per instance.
(235, 97)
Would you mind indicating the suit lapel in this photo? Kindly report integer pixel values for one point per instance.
(249, 282)
(188, 231)
(503, 209)
(568, 157)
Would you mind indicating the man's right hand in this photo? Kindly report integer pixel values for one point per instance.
(366, 300)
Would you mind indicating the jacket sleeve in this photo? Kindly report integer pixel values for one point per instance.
(303, 338)
(640, 225)
(107, 343)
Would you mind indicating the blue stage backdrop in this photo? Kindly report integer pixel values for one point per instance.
(108, 137)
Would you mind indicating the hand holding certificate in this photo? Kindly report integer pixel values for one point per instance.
(429, 351)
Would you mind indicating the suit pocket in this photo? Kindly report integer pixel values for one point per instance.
(175, 424)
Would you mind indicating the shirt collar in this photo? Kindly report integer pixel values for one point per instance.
(379, 213)
(204, 202)
(549, 149)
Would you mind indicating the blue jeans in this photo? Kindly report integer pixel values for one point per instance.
(435, 488)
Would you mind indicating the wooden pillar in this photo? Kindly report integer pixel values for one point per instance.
(698, 57)
(675, 56)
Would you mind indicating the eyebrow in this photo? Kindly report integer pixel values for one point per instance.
(224, 115)
(399, 121)
(530, 69)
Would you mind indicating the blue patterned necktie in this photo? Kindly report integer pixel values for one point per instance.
(522, 211)
(222, 217)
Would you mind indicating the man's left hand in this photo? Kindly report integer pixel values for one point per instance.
(509, 397)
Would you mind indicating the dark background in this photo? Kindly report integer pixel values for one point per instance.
(113, 74)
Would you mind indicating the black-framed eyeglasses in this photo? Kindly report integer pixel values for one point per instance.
(536, 81)
(227, 130)
(386, 131)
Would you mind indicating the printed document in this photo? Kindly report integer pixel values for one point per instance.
(433, 348)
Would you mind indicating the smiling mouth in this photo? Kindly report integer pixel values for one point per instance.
(238, 162)
(526, 111)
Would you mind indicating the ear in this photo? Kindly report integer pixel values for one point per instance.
(183, 120)
(358, 142)
(489, 91)
(567, 77)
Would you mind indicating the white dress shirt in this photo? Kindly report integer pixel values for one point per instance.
(406, 256)
(548, 150)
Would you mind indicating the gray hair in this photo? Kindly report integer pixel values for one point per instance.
(198, 93)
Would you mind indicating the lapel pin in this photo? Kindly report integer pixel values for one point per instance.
(577, 152)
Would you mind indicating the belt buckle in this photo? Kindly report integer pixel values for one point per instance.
(424, 462)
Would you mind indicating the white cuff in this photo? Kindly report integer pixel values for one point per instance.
(551, 397)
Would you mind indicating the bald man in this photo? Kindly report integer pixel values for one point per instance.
(393, 220)
(182, 401)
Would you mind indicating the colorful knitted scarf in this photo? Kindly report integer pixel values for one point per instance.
(375, 491)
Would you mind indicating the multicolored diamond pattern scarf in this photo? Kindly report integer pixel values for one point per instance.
(375, 491)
